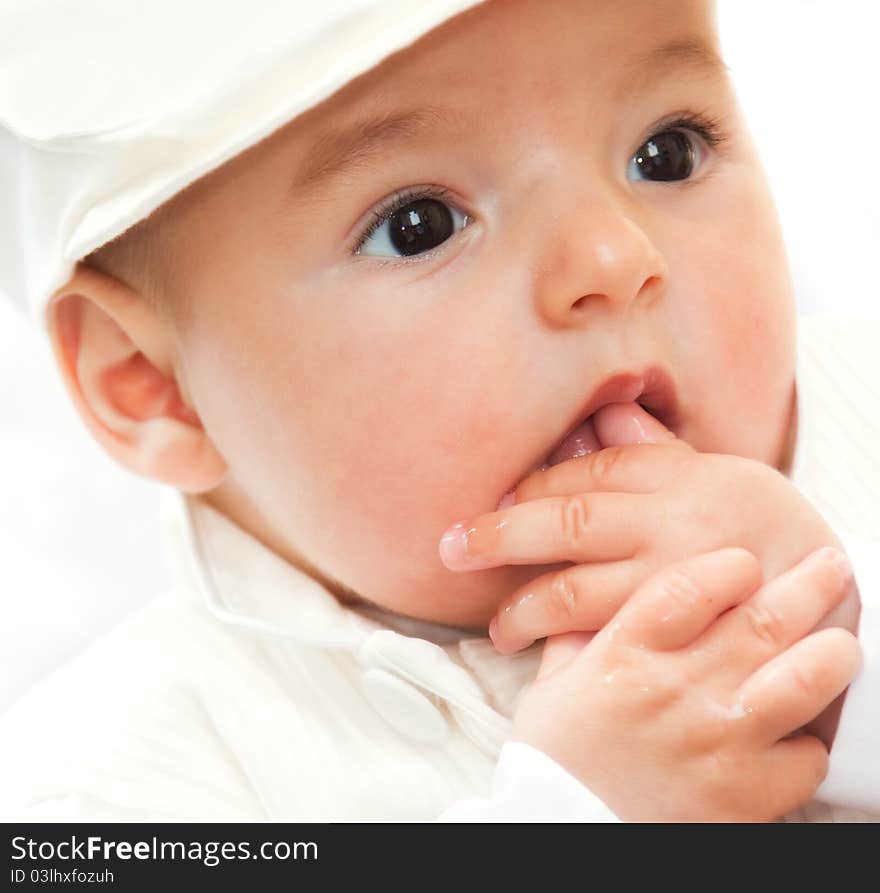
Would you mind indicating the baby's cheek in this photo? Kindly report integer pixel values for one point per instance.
(426, 472)
(398, 494)
(740, 381)
(757, 348)
(743, 348)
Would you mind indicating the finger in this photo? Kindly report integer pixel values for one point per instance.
(782, 611)
(797, 685)
(560, 651)
(582, 527)
(675, 605)
(795, 768)
(628, 423)
(580, 597)
(621, 469)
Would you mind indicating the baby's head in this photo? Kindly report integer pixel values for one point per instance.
(375, 322)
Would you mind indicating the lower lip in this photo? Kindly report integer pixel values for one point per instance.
(589, 441)
(578, 444)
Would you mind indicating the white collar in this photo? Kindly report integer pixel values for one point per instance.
(243, 582)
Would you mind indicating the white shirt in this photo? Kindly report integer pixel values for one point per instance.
(247, 692)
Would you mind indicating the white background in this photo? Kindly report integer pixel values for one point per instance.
(79, 541)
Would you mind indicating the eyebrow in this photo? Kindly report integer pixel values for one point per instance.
(691, 54)
(345, 151)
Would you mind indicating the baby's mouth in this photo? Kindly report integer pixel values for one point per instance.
(653, 391)
(585, 439)
(582, 441)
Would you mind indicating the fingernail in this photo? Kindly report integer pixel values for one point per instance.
(457, 550)
(501, 647)
(453, 547)
(641, 435)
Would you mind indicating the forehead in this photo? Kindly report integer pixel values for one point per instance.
(499, 47)
(501, 55)
(507, 39)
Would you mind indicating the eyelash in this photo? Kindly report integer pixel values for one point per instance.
(703, 124)
(395, 203)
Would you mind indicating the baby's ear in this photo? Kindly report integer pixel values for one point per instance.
(115, 355)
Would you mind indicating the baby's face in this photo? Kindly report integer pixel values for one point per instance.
(543, 221)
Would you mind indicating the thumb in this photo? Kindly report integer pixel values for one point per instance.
(619, 424)
(561, 650)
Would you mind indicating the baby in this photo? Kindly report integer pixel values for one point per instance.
(519, 290)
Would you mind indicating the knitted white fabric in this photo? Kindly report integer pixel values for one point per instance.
(837, 466)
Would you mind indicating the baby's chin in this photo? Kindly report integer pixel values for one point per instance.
(467, 599)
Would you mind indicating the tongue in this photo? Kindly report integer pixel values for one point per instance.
(581, 441)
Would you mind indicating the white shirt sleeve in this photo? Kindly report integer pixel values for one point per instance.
(854, 768)
(528, 786)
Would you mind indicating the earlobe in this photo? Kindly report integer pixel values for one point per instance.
(115, 356)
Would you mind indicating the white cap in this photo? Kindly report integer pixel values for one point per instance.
(110, 107)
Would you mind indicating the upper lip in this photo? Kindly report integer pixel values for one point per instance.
(653, 388)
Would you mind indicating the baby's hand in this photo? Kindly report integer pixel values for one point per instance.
(622, 514)
(677, 710)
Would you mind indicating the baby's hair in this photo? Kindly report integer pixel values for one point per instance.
(141, 258)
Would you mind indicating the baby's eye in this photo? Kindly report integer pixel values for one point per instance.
(670, 154)
(413, 224)
(666, 156)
